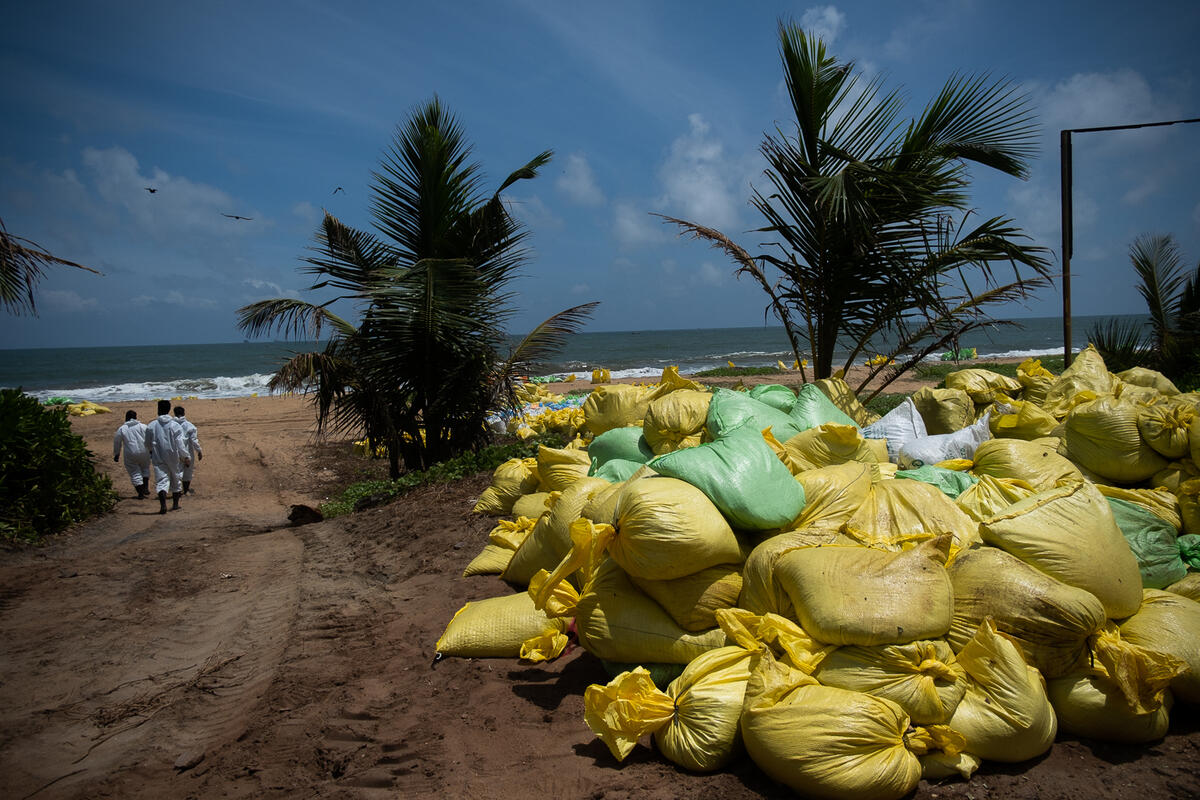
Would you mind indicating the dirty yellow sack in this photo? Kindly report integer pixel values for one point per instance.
(827, 445)
(513, 478)
(898, 513)
(497, 627)
(944, 410)
(761, 593)
(1049, 619)
(1188, 587)
(693, 600)
(504, 540)
(1169, 623)
(1093, 707)
(982, 384)
(1164, 426)
(842, 396)
(1036, 463)
(1005, 714)
(1102, 435)
(991, 496)
(1035, 380)
(923, 678)
(1159, 502)
(558, 468)
(1069, 533)
(1188, 494)
(860, 595)
(1019, 419)
(786, 640)
(825, 742)
(1174, 475)
(1153, 379)
(1087, 373)
(550, 538)
(618, 405)
(676, 420)
(832, 494)
(531, 505)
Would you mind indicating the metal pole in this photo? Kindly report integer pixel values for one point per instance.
(1064, 146)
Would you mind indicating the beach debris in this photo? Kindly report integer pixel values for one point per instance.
(301, 514)
(87, 408)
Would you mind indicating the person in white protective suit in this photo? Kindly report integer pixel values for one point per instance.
(131, 437)
(192, 440)
(164, 440)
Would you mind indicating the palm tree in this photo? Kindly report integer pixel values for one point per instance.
(21, 266)
(873, 239)
(422, 368)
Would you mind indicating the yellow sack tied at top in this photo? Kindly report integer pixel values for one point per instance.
(550, 539)
(1049, 619)
(832, 494)
(991, 496)
(1069, 533)
(923, 678)
(693, 600)
(982, 384)
(860, 595)
(1019, 419)
(761, 592)
(1122, 697)
(1035, 380)
(827, 445)
(1087, 373)
(694, 723)
(825, 742)
(1103, 436)
(558, 468)
(498, 627)
(513, 478)
(897, 514)
(1170, 623)
(786, 640)
(1164, 426)
(1005, 714)
(616, 406)
(944, 410)
(503, 541)
(1036, 463)
(676, 420)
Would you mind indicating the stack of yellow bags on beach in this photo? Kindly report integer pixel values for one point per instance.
(86, 408)
(859, 602)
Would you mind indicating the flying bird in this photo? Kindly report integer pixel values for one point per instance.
(339, 189)
(234, 216)
(151, 191)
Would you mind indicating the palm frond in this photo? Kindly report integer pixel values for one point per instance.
(22, 265)
(1159, 266)
(295, 319)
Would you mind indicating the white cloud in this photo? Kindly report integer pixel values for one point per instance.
(700, 183)
(824, 21)
(66, 300)
(633, 226)
(174, 298)
(1091, 99)
(275, 288)
(307, 212)
(709, 275)
(532, 211)
(578, 182)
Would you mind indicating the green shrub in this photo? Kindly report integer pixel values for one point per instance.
(47, 475)
(883, 403)
(735, 372)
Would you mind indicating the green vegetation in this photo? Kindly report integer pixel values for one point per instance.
(1172, 295)
(734, 372)
(461, 466)
(47, 475)
(870, 213)
(934, 371)
(422, 368)
(883, 403)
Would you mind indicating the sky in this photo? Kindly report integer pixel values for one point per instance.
(263, 109)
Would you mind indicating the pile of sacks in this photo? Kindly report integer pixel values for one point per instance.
(859, 602)
(542, 412)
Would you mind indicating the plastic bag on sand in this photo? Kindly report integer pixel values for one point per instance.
(1005, 714)
(982, 384)
(842, 396)
(676, 420)
(1069, 533)
(1189, 587)
(944, 410)
(497, 627)
(1164, 426)
(813, 408)
(729, 410)
(900, 425)
(743, 478)
(694, 723)
(531, 505)
(933, 449)
(775, 395)
(627, 444)
(833, 494)
(1049, 619)
(1168, 623)
(1153, 542)
(761, 593)
(923, 678)
(1033, 462)
(693, 600)
(991, 496)
(1102, 435)
(825, 742)
(1086, 373)
(898, 513)
(859, 595)
(513, 478)
(616, 406)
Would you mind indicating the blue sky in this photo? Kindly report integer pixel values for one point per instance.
(263, 109)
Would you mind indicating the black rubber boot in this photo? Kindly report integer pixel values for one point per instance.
(187, 486)
(162, 502)
(143, 491)
(175, 500)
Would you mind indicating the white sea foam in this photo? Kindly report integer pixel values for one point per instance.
(204, 388)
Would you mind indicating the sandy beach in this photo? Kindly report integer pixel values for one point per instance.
(219, 651)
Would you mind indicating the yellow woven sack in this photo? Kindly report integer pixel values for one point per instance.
(616, 406)
(825, 742)
(842, 396)
(786, 640)
(1035, 380)
(1188, 587)
(923, 678)
(1170, 623)
(1087, 373)
(832, 494)
(761, 593)
(1092, 707)
(1153, 379)
(1069, 533)
(1102, 436)
(982, 384)
(1174, 475)
(1005, 714)
(492, 560)
(676, 420)
(1164, 426)
(830, 444)
(1019, 419)
(693, 600)
(1049, 619)
(859, 595)
(944, 410)
(558, 468)
(1036, 463)
(899, 513)
(991, 496)
(1159, 502)
(497, 627)
(550, 539)
(531, 505)
(513, 478)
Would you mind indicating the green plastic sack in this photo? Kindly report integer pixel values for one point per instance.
(813, 408)
(1153, 542)
(775, 395)
(616, 470)
(1189, 549)
(951, 482)
(742, 476)
(729, 410)
(627, 444)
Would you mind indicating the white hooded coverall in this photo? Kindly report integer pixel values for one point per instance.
(191, 441)
(164, 440)
(131, 437)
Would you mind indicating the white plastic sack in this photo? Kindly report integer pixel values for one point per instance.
(943, 447)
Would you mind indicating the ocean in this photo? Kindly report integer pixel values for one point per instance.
(112, 374)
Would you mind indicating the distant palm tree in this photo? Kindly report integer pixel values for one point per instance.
(423, 367)
(21, 266)
(869, 213)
